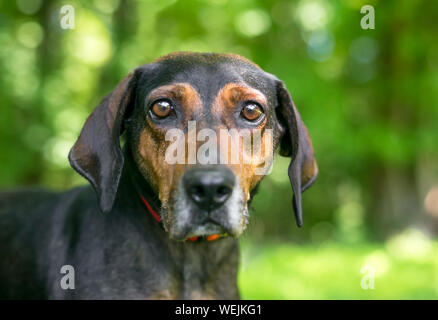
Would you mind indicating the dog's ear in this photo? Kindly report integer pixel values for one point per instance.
(295, 143)
(97, 155)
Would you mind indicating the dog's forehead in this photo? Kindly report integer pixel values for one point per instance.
(206, 72)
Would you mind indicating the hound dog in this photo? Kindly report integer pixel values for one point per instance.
(148, 228)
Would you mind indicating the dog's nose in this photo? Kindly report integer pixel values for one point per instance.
(210, 188)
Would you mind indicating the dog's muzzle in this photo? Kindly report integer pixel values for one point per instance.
(209, 201)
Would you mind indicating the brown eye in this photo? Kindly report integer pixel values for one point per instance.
(252, 112)
(161, 108)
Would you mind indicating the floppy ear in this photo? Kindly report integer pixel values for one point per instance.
(295, 143)
(97, 155)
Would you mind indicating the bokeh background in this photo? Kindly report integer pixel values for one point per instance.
(369, 99)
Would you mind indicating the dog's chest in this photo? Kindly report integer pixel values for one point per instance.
(197, 274)
(165, 283)
(176, 271)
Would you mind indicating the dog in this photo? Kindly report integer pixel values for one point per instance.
(144, 228)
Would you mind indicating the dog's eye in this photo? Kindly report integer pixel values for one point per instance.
(161, 108)
(252, 111)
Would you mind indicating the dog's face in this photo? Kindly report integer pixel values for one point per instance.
(202, 129)
(193, 93)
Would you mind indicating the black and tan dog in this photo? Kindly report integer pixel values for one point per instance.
(154, 238)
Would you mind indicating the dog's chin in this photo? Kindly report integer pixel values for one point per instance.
(202, 230)
(180, 231)
(206, 229)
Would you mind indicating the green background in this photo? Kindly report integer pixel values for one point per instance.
(368, 97)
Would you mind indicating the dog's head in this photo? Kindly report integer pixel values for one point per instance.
(201, 128)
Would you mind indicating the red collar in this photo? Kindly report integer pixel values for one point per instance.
(153, 213)
(157, 218)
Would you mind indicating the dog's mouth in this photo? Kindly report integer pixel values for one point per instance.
(209, 238)
(209, 231)
(206, 231)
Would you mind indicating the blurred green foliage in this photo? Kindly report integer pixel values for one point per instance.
(368, 97)
(405, 267)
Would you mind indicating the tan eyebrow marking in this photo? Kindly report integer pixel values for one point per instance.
(188, 97)
(232, 93)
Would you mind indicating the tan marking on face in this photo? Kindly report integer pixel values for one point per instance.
(224, 107)
(184, 93)
(153, 145)
(233, 93)
(246, 172)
